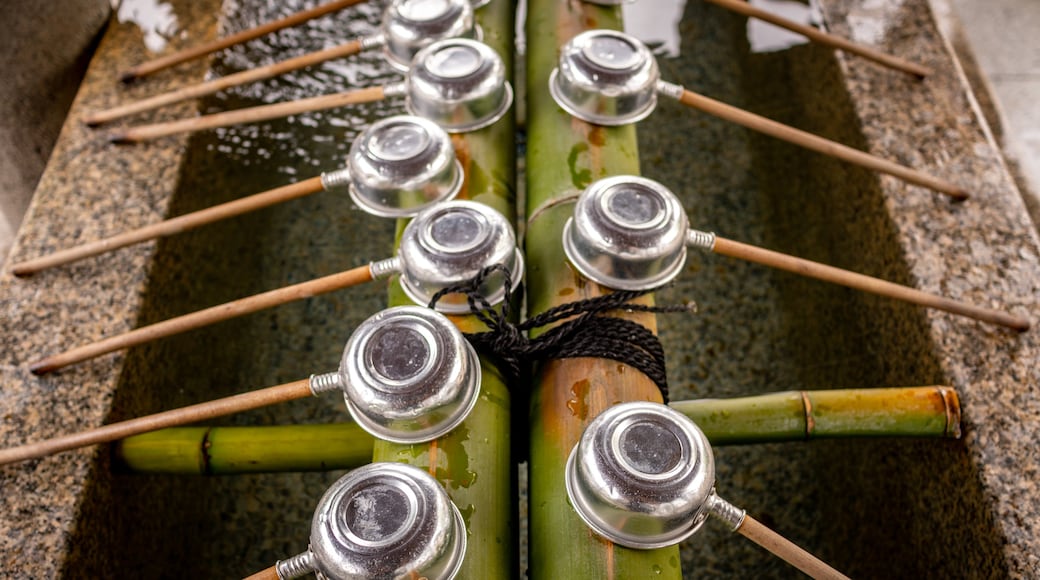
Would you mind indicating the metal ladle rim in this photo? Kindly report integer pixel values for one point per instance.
(595, 275)
(384, 211)
(605, 120)
(507, 101)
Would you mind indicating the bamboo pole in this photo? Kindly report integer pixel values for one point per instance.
(567, 394)
(787, 550)
(184, 415)
(815, 142)
(771, 418)
(187, 54)
(171, 226)
(826, 39)
(475, 462)
(248, 115)
(849, 279)
(204, 317)
(801, 415)
(215, 85)
(233, 450)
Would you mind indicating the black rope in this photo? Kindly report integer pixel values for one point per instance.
(587, 334)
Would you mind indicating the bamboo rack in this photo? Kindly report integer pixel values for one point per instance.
(474, 462)
(561, 546)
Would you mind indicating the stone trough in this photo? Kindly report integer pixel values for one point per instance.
(875, 509)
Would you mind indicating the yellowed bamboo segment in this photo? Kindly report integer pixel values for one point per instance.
(171, 226)
(215, 85)
(182, 416)
(849, 279)
(826, 39)
(248, 115)
(786, 550)
(818, 144)
(205, 317)
(192, 53)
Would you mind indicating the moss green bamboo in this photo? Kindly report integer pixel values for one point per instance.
(771, 418)
(563, 156)
(232, 450)
(474, 462)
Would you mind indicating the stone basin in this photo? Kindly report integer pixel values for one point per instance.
(875, 509)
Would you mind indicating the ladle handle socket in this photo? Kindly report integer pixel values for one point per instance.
(219, 84)
(192, 53)
(808, 140)
(171, 226)
(173, 418)
(206, 317)
(849, 279)
(250, 115)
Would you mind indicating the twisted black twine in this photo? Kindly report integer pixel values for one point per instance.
(587, 334)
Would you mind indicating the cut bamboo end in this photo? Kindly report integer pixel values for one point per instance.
(203, 318)
(818, 144)
(787, 550)
(865, 283)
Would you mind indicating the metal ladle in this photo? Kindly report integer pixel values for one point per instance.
(408, 26)
(396, 168)
(609, 78)
(384, 520)
(444, 245)
(643, 476)
(458, 83)
(407, 375)
(630, 233)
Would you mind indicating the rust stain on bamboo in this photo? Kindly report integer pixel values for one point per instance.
(462, 153)
(579, 404)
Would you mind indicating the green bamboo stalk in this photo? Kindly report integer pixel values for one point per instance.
(771, 418)
(563, 156)
(801, 415)
(474, 462)
(233, 450)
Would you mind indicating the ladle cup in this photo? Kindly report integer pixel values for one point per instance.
(630, 233)
(407, 375)
(408, 26)
(396, 168)
(608, 78)
(458, 83)
(444, 245)
(643, 476)
(384, 520)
